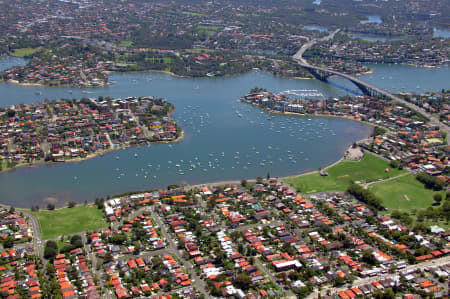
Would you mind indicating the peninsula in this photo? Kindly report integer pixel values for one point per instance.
(401, 134)
(74, 130)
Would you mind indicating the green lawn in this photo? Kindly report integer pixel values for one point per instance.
(188, 13)
(370, 168)
(126, 43)
(165, 59)
(200, 50)
(66, 221)
(404, 194)
(25, 51)
(207, 28)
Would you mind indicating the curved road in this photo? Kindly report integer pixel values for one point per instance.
(299, 57)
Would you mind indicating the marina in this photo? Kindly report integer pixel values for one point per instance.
(303, 93)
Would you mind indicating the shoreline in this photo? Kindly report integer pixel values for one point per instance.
(90, 156)
(206, 184)
(109, 72)
(49, 86)
(108, 83)
(313, 115)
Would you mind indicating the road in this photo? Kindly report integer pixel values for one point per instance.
(432, 120)
(299, 55)
(385, 180)
(37, 241)
(109, 140)
(273, 278)
(302, 62)
(199, 283)
(251, 226)
(362, 281)
(90, 255)
(266, 271)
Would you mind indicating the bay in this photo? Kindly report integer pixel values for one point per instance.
(218, 145)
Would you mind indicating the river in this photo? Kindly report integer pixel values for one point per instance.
(218, 144)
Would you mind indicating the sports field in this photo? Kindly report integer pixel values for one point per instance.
(65, 221)
(370, 168)
(404, 194)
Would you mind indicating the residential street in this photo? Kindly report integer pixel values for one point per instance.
(199, 283)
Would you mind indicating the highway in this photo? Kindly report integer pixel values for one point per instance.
(302, 62)
(299, 55)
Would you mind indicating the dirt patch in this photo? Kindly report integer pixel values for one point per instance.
(343, 176)
(406, 197)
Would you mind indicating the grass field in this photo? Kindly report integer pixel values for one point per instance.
(404, 194)
(126, 43)
(165, 59)
(66, 221)
(207, 28)
(370, 168)
(201, 50)
(25, 51)
(188, 13)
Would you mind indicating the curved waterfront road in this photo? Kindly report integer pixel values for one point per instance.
(302, 62)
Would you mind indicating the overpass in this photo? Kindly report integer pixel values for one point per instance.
(322, 74)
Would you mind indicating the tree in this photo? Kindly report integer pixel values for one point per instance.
(338, 281)
(437, 197)
(395, 164)
(430, 182)
(71, 204)
(365, 196)
(50, 249)
(50, 207)
(244, 183)
(378, 131)
(243, 281)
(368, 258)
(118, 239)
(8, 242)
(303, 292)
(76, 241)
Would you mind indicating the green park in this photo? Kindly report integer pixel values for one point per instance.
(404, 193)
(25, 52)
(66, 221)
(369, 169)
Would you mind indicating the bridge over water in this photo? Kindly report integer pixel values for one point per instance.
(323, 73)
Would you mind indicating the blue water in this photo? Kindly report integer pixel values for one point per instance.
(372, 19)
(206, 108)
(445, 33)
(316, 28)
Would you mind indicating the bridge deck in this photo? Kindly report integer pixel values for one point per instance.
(364, 85)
